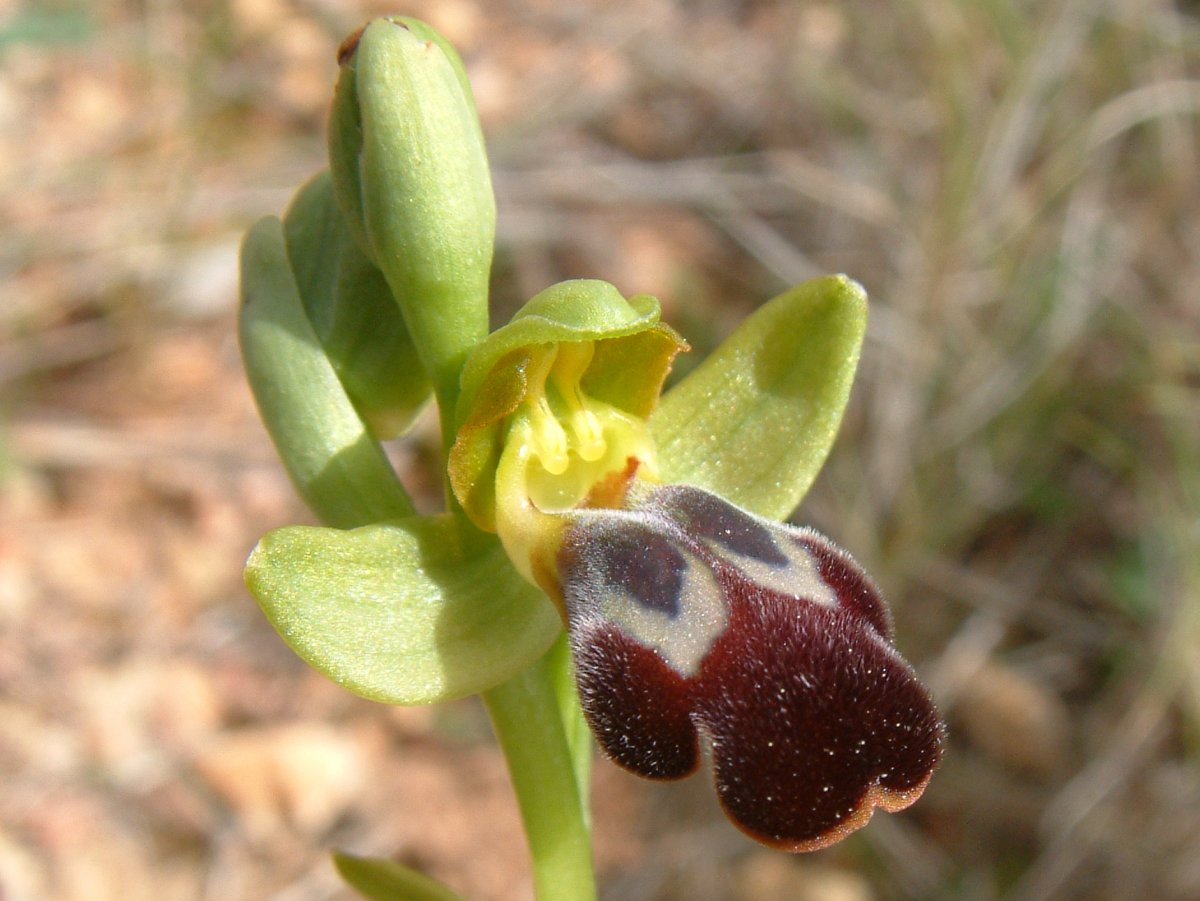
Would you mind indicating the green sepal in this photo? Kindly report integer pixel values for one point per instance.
(353, 313)
(755, 421)
(388, 880)
(633, 351)
(628, 374)
(416, 611)
(411, 174)
(337, 467)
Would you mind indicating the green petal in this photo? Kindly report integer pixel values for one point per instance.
(417, 611)
(755, 421)
(388, 880)
(339, 470)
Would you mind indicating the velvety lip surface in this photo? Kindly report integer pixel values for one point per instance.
(812, 716)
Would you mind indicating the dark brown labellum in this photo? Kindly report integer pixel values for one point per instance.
(766, 640)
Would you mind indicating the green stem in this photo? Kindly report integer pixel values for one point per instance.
(528, 720)
(575, 727)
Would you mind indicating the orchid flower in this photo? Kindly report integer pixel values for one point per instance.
(581, 499)
(689, 616)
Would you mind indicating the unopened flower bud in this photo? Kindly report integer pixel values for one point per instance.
(410, 173)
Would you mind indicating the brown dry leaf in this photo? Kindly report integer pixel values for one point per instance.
(91, 856)
(308, 67)
(255, 18)
(93, 562)
(822, 30)
(17, 583)
(658, 254)
(31, 741)
(462, 22)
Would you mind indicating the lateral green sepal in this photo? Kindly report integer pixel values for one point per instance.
(755, 421)
(415, 611)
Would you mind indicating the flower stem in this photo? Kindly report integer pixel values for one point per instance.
(575, 727)
(549, 775)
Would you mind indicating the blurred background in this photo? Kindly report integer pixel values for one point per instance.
(1016, 185)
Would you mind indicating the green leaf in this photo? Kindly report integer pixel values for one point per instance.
(387, 880)
(337, 467)
(420, 610)
(755, 421)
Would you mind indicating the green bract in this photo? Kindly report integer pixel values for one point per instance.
(336, 465)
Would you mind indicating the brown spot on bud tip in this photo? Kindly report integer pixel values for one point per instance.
(347, 47)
